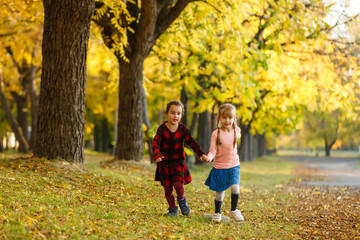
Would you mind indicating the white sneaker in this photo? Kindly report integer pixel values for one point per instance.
(216, 217)
(236, 215)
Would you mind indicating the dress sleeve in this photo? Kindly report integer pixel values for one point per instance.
(157, 143)
(213, 148)
(193, 144)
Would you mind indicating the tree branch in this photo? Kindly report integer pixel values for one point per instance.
(212, 5)
(168, 15)
(17, 65)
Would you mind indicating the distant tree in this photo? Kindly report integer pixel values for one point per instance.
(15, 126)
(60, 131)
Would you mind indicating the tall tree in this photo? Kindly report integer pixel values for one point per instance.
(131, 29)
(60, 131)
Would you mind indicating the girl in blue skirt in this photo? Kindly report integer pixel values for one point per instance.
(226, 165)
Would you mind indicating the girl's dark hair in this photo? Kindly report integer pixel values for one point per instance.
(226, 108)
(176, 103)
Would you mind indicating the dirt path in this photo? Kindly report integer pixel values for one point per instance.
(320, 171)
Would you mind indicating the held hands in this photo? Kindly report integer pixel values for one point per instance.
(204, 158)
(159, 159)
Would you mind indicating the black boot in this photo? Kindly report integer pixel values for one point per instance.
(172, 212)
(184, 207)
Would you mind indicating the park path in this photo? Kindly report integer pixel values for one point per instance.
(333, 171)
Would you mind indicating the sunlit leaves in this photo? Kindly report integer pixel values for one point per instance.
(21, 32)
(116, 12)
(235, 51)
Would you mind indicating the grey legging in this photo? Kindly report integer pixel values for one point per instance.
(235, 189)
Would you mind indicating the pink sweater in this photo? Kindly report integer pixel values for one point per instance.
(225, 157)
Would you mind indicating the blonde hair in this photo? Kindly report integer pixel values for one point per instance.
(226, 109)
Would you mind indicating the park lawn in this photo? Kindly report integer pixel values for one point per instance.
(108, 199)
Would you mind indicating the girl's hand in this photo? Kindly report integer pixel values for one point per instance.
(204, 158)
(159, 159)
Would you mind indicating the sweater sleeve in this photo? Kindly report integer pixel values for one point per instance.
(157, 143)
(189, 139)
(238, 133)
(213, 148)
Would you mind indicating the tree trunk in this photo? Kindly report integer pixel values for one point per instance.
(15, 127)
(22, 117)
(244, 149)
(189, 159)
(328, 146)
(60, 131)
(21, 99)
(327, 149)
(130, 143)
(27, 72)
(96, 135)
(34, 99)
(204, 133)
(184, 99)
(7, 142)
(254, 146)
(104, 135)
(262, 145)
(1, 144)
(148, 137)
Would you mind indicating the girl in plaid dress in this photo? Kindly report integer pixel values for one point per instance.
(169, 154)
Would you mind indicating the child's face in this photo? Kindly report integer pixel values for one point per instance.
(227, 120)
(174, 114)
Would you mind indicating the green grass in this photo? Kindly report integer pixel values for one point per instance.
(120, 200)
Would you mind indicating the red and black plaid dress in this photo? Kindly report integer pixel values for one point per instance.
(170, 145)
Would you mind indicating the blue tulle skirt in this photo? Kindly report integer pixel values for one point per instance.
(221, 179)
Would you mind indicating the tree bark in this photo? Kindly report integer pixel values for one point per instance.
(184, 99)
(245, 152)
(130, 137)
(204, 133)
(97, 135)
(189, 159)
(60, 131)
(262, 145)
(328, 146)
(104, 134)
(34, 99)
(15, 127)
(1, 144)
(22, 117)
(245, 149)
(148, 137)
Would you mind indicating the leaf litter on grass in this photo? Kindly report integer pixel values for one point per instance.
(120, 199)
(324, 212)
